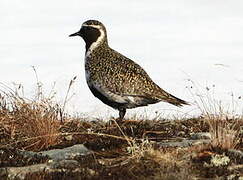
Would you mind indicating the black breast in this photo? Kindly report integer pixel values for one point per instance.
(105, 100)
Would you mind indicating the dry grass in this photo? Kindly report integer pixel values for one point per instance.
(225, 132)
(32, 123)
(224, 123)
(40, 123)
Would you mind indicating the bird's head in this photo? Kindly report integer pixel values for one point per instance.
(93, 32)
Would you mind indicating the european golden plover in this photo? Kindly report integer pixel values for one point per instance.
(115, 79)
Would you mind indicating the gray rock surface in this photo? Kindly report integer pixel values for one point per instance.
(66, 153)
(183, 143)
(236, 153)
(22, 172)
(60, 160)
(201, 135)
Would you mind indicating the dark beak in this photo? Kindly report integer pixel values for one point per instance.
(75, 34)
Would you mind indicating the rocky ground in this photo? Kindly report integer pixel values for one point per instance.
(139, 149)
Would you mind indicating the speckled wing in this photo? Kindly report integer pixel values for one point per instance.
(122, 77)
(122, 80)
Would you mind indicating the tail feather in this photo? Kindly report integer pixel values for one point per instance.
(176, 101)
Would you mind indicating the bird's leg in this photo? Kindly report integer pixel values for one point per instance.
(122, 112)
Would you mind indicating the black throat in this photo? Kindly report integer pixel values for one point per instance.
(90, 36)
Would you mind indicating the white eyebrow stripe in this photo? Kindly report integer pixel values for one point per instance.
(95, 26)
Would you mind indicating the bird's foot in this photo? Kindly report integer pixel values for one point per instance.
(118, 121)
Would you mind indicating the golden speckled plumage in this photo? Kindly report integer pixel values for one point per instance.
(121, 75)
(115, 79)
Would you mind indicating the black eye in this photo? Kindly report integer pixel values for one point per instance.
(88, 28)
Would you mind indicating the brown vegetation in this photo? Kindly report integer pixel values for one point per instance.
(131, 149)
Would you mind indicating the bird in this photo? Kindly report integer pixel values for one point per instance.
(116, 80)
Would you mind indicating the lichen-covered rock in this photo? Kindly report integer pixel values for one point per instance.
(220, 160)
